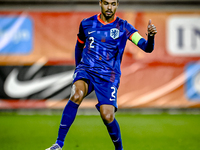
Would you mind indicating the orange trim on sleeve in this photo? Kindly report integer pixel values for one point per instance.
(130, 37)
(82, 42)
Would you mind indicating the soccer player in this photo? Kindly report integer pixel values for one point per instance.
(100, 45)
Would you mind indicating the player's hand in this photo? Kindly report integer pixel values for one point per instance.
(151, 29)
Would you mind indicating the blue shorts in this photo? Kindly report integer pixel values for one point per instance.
(106, 91)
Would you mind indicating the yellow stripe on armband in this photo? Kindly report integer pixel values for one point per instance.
(136, 37)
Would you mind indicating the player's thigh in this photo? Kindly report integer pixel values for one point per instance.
(106, 93)
(79, 91)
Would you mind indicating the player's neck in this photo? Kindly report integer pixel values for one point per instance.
(107, 20)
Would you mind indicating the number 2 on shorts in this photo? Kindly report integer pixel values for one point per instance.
(113, 94)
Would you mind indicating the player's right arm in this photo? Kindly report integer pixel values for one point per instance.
(79, 44)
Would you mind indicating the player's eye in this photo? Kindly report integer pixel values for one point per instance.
(114, 4)
(105, 3)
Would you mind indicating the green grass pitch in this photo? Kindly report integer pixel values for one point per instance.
(139, 132)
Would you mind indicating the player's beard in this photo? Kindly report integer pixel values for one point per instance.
(108, 16)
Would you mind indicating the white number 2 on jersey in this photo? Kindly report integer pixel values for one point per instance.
(92, 41)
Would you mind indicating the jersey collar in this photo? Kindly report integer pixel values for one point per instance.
(104, 23)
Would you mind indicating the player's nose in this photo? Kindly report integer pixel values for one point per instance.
(109, 6)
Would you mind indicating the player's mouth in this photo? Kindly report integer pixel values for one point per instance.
(108, 13)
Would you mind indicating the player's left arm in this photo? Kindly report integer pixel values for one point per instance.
(146, 45)
(79, 45)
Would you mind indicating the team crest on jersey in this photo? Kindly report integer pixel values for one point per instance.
(114, 33)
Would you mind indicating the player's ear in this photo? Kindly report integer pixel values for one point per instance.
(100, 3)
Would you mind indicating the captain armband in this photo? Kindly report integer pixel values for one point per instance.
(135, 38)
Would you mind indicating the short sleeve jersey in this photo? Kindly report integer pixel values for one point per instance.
(104, 46)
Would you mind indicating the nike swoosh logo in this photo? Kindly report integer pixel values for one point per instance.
(91, 32)
(115, 140)
(17, 89)
(112, 99)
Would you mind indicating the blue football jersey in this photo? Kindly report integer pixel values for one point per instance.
(104, 46)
